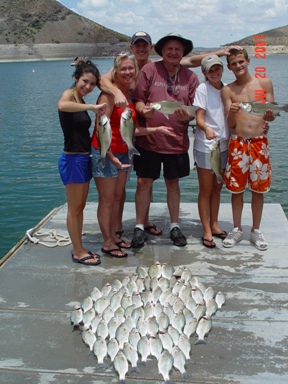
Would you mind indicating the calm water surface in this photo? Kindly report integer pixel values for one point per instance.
(31, 141)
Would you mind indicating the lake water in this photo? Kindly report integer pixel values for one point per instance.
(31, 141)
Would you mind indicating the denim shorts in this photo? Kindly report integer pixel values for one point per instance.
(75, 168)
(202, 159)
(109, 170)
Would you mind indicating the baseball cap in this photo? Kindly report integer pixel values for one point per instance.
(210, 60)
(141, 35)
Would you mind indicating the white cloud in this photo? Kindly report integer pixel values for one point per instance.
(209, 24)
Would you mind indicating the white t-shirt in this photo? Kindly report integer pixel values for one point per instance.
(209, 98)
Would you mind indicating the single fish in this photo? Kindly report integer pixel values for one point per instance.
(197, 295)
(143, 348)
(112, 327)
(134, 337)
(94, 323)
(185, 346)
(186, 274)
(88, 317)
(87, 303)
(129, 322)
(166, 341)
(100, 351)
(188, 315)
(112, 348)
(122, 335)
(185, 292)
(190, 327)
(156, 347)
(258, 108)
(102, 329)
(179, 362)
(137, 312)
(95, 294)
(127, 131)
(165, 364)
(178, 305)
(163, 321)
(215, 160)
(116, 284)
(141, 325)
(105, 137)
(152, 326)
(126, 301)
(203, 328)
(174, 334)
(131, 355)
(76, 316)
(101, 304)
(178, 321)
(106, 289)
(115, 300)
(220, 299)
(211, 308)
(121, 366)
(89, 338)
(141, 271)
(129, 310)
(209, 294)
(168, 107)
(156, 294)
(163, 282)
(155, 270)
(167, 270)
(200, 311)
(108, 313)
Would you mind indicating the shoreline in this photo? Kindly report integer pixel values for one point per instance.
(53, 52)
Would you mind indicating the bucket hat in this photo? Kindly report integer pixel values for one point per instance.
(188, 45)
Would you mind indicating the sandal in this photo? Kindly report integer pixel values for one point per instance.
(222, 235)
(151, 230)
(123, 244)
(111, 254)
(83, 260)
(210, 244)
(119, 233)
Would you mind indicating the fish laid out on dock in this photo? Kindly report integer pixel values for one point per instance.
(152, 313)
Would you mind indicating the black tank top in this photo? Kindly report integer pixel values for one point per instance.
(75, 126)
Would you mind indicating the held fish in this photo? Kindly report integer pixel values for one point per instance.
(215, 160)
(168, 107)
(258, 108)
(127, 131)
(105, 137)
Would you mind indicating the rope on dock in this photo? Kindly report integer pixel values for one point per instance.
(60, 240)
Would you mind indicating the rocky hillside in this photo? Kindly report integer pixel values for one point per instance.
(46, 22)
(277, 36)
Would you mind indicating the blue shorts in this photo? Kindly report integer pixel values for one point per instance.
(75, 168)
(109, 170)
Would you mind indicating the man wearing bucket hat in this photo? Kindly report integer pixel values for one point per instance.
(158, 81)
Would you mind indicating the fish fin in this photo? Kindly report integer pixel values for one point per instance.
(133, 151)
(200, 341)
(167, 117)
(285, 107)
(102, 160)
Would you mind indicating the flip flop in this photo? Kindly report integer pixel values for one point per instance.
(83, 260)
(222, 235)
(149, 228)
(123, 246)
(110, 252)
(210, 244)
(119, 233)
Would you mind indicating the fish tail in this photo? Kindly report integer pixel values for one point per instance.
(133, 151)
(133, 369)
(200, 341)
(285, 107)
(101, 366)
(102, 160)
(184, 376)
(219, 179)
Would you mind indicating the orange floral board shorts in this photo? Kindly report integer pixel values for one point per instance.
(248, 162)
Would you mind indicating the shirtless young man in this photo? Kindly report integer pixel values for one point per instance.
(248, 152)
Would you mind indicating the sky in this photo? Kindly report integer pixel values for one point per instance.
(208, 23)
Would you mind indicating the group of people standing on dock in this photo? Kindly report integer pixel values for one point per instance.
(136, 82)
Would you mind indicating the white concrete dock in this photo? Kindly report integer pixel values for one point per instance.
(248, 342)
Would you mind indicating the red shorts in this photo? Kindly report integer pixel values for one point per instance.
(248, 161)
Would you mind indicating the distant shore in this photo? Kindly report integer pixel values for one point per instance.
(49, 52)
